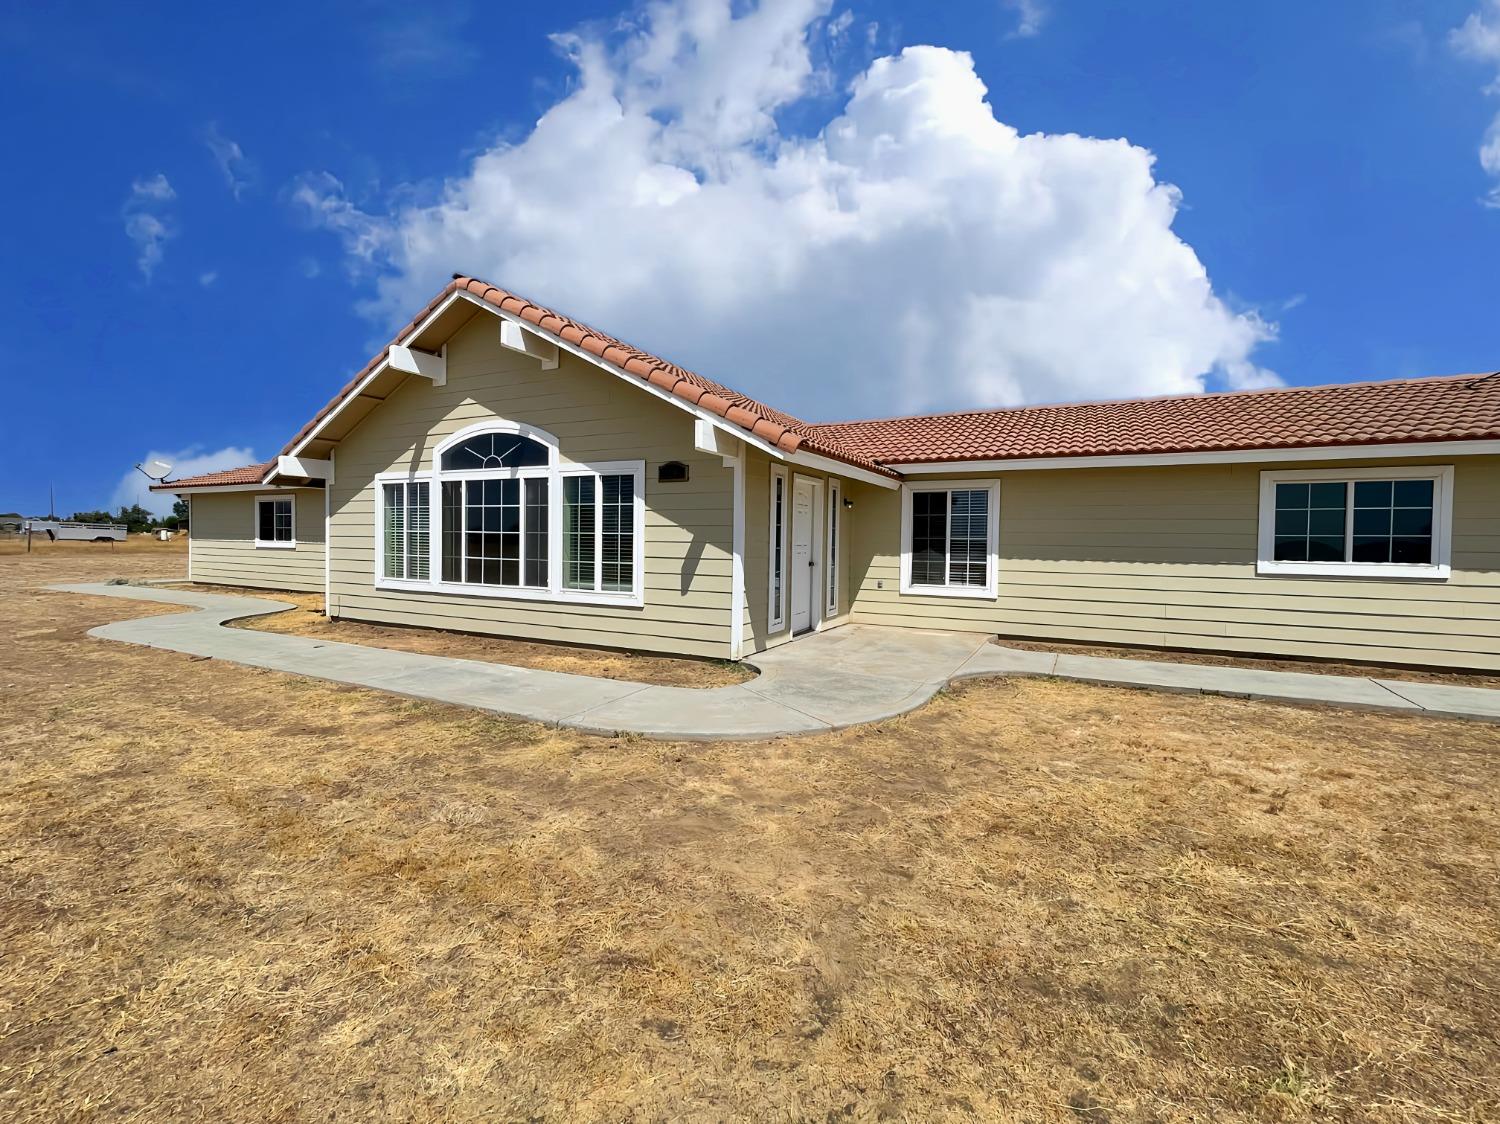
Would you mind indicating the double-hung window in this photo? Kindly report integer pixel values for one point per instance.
(1359, 522)
(406, 538)
(512, 521)
(948, 533)
(599, 530)
(275, 520)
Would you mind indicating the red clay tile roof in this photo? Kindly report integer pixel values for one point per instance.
(770, 425)
(1460, 407)
(1452, 408)
(247, 474)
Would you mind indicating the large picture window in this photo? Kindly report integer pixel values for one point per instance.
(275, 521)
(513, 521)
(1364, 522)
(948, 533)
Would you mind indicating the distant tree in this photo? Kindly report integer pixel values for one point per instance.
(94, 517)
(171, 522)
(180, 512)
(136, 518)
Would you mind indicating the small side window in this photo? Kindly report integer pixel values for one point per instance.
(275, 521)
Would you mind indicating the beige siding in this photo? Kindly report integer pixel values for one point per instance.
(596, 417)
(1166, 557)
(222, 550)
(757, 550)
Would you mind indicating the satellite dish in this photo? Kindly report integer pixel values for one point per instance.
(157, 470)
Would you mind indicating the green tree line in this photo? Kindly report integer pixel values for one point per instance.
(136, 518)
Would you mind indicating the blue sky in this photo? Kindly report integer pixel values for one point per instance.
(215, 215)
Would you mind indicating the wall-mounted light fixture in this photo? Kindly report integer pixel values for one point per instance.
(848, 504)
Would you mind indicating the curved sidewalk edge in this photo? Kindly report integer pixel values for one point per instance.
(797, 692)
(823, 682)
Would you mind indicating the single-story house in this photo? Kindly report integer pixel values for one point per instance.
(500, 468)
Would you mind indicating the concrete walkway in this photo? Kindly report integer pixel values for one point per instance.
(844, 677)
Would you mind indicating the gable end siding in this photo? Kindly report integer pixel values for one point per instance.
(595, 417)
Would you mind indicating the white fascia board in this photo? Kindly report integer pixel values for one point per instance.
(839, 468)
(380, 369)
(1232, 456)
(265, 487)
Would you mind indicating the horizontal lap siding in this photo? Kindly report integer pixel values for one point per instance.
(596, 417)
(1166, 557)
(222, 550)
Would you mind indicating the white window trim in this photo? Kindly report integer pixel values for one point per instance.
(272, 544)
(988, 591)
(831, 548)
(401, 478)
(1440, 569)
(776, 622)
(553, 472)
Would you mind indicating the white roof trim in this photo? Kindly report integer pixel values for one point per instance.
(462, 295)
(821, 463)
(1231, 456)
(634, 380)
(172, 489)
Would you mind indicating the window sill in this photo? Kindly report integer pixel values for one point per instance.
(1390, 571)
(507, 593)
(968, 592)
(260, 545)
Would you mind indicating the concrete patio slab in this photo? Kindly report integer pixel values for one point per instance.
(844, 677)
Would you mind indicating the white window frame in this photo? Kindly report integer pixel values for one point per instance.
(831, 548)
(273, 544)
(636, 469)
(553, 472)
(988, 591)
(1440, 569)
(776, 622)
(380, 506)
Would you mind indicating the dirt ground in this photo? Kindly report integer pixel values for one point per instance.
(638, 667)
(229, 894)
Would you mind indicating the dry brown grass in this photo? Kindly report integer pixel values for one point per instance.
(96, 552)
(237, 895)
(307, 619)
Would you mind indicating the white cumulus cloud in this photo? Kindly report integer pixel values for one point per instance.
(1479, 38)
(233, 165)
(147, 227)
(914, 252)
(135, 488)
(1030, 15)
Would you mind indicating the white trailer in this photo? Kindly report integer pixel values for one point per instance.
(66, 529)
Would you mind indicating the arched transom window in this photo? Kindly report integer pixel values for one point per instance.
(495, 450)
(500, 514)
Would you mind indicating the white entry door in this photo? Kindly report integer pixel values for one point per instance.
(803, 559)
